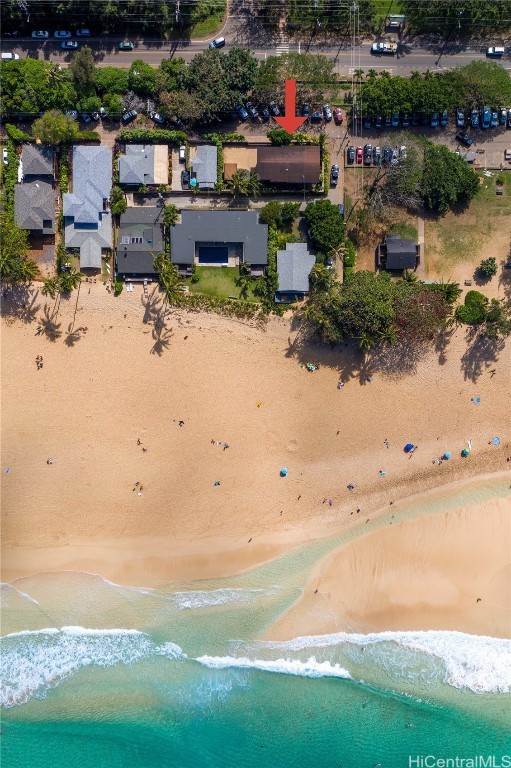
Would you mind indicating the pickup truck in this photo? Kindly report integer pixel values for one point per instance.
(507, 155)
(382, 48)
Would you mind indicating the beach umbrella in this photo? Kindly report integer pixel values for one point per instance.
(496, 441)
(447, 455)
(283, 472)
(465, 452)
(408, 447)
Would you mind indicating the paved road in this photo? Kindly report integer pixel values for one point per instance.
(408, 58)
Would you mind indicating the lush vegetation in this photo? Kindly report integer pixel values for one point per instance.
(118, 202)
(452, 18)
(175, 138)
(372, 309)
(326, 227)
(279, 215)
(15, 266)
(314, 75)
(280, 137)
(481, 82)
(488, 267)
(492, 316)
(55, 128)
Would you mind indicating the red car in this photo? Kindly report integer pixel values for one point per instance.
(360, 155)
(337, 116)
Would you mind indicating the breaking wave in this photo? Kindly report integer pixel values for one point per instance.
(310, 668)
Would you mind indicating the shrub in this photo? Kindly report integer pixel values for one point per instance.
(488, 267)
(118, 202)
(86, 136)
(225, 138)
(474, 310)
(16, 134)
(195, 278)
(279, 137)
(64, 172)
(118, 286)
(175, 138)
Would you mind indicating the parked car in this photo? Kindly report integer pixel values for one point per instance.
(503, 116)
(434, 120)
(388, 121)
(95, 117)
(367, 122)
(176, 122)
(415, 119)
(340, 208)
(405, 122)
(509, 119)
(425, 120)
(334, 175)
(242, 112)
(129, 116)
(306, 110)
(69, 45)
(460, 118)
(495, 51)
(185, 178)
(403, 152)
(327, 113)
(337, 113)
(274, 110)
(464, 139)
(62, 34)
(443, 118)
(368, 154)
(83, 32)
(9, 56)
(40, 35)
(125, 45)
(378, 123)
(395, 157)
(383, 48)
(377, 156)
(157, 118)
(5, 154)
(218, 42)
(182, 153)
(72, 113)
(395, 120)
(387, 155)
(474, 118)
(485, 117)
(350, 155)
(360, 155)
(252, 111)
(85, 117)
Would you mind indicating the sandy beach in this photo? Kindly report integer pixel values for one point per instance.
(111, 378)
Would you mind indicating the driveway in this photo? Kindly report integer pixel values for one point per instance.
(177, 167)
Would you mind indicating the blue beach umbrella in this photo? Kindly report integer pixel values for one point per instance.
(496, 441)
(408, 447)
(283, 472)
(447, 455)
(465, 452)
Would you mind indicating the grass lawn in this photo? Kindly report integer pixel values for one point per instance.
(218, 282)
(404, 230)
(209, 26)
(465, 237)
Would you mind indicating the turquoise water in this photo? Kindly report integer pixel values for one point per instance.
(95, 674)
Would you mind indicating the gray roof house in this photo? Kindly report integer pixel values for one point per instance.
(204, 166)
(37, 160)
(144, 164)
(294, 266)
(140, 239)
(87, 219)
(34, 206)
(34, 198)
(219, 238)
(397, 254)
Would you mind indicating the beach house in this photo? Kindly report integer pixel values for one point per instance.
(87, 218)
(34, 197)
(397, 253)
(140, 240)
(294, 265)
(204, 166)
(143, 164)
(293, 166)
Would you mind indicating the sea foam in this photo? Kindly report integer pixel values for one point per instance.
(31, 662)
(475, 662)
(207, 598)
(310, 668)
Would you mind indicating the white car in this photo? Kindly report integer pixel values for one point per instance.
(40, 35)
(6, 156)
(9, 56)
(182, 153)
(384, 48)
(62, 34)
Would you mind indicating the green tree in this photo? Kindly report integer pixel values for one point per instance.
(111, 80)
(15, 266)
(170, 75)
(141, 78)
(243, 184)
(325, 224)
(170, 215)
(50, 287)
(118, 202)
(488, 267)
(68, 281)
(83, 69)
(220, 80)
(55, 128)
(181, 105)
(447, 178)
(169, 278)
(244, 282)
(473, 310)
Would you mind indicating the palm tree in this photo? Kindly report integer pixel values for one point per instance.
(388, 335)
(27, 270)
(359, 74)
(170, 215)
(372, 74)
(408, 277)
(365, 341)
(68, 281)
(50, 287)
(451, 291)
(243, 184)
(244, 283)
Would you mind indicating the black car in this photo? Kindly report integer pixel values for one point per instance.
(388, 121)
(185, 179)
(316, 117)
(464, 138)
(367, 122)
(377, 156)
(387, 155)
(350, 155)
(265, 113)
(368, 154)
(129, 116)
(509, 118)
(425, 119)
(334, 175)
(415, 120)
(252, 111)
(379, 122)
(444, 118)
(242, 113)
(273, 109)
(306, 110)
(460, 118)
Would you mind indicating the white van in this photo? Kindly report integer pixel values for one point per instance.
(218, 43)
(9, 56)
(495, 51)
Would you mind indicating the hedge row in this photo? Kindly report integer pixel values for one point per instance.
(151, 136)
(16, 134)
(198, 302)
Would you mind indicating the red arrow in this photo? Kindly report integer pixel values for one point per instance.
(290, 122)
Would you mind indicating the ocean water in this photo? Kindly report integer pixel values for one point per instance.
(97, 674)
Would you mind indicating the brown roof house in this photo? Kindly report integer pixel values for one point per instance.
(295, 165)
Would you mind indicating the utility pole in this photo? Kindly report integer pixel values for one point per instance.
(24, 7)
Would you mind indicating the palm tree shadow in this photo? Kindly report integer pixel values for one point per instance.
(152, 306)
(19, 302)
(162, 337)
(50, 328)
(74, 335)
(481, 352)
